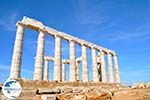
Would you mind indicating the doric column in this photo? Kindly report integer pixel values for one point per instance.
(110, 68)
(77, 70)
(57, 63)
(63, 72)
(84, 65)
(46, 70)
(39, 60)
(94, 66)
(103, 67)
(72, 61)
(17, 53)
(116, 69)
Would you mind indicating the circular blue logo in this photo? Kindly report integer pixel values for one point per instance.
(11, 89)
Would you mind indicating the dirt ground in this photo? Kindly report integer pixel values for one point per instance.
(80, 91)
(132, 94)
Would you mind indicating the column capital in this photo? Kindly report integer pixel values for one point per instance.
(93, 47)
(41, 30)
(109, 52)
(19, 23)
(115, 54)
(57, 35)
(83, 44)
(65, 61)
(71, 40)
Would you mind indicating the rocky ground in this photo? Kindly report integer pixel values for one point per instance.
(52, 90)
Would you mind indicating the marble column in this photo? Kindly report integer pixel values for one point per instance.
(57, 62)
(110, 68)
(94, 66)
(116, 69)
(77, 70)
(63, 72)
(103, 67)
(46, 70)
(84, 64)
(39, 60)
(72, 61)
(17, 53)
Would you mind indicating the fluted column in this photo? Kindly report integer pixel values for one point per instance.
(17, 53)
(77, 70)
(72, 61)
(84, 65)
(57, 63)
(103, 67)
(110, 68)
(116, 69)
(39, 60)
(46, 70)
(94, 66)
(63, 72)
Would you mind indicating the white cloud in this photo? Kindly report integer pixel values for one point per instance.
(86, 13)
(129, 36)
(8, 22)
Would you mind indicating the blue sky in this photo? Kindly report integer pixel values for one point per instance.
(121, 25)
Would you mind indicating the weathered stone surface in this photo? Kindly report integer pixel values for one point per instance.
(98, 96)
(84, 64)
(57, 62)
(72, 97)
(67, 90)
(103, 67)
(17, 53)
(39, 60)
(46, 70)
(141, 85)
(77, 90)
(116, 69)
(72, 61)
(48, 97)
(48, 91)
(94, 66)
(110, 69)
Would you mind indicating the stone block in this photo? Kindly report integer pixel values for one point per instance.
(48, 91)
(48, 97)
(67, 90)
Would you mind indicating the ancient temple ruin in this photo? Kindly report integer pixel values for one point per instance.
(59, 64)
